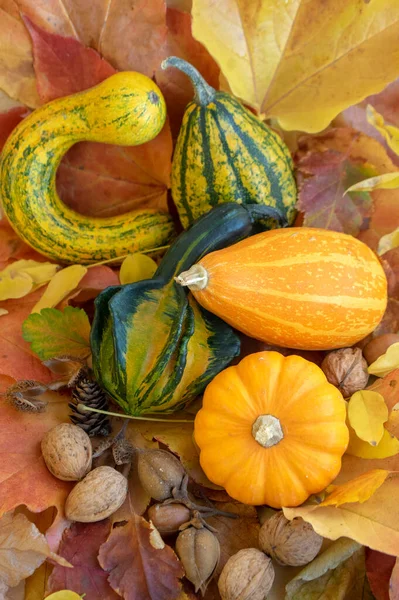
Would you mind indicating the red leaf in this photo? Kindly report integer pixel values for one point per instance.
(390, 320)
(63, 65)
(394, 582)
(9, 120)
(379, 568)
(139, 567)
(79, 546)
(176, 86)
(24, 477)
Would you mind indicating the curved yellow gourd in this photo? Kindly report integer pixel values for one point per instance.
(126, 109)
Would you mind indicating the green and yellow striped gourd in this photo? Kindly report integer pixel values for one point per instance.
(126, 109)
(224, 153)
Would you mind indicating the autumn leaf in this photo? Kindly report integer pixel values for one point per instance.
(374, 523)
(388, 446)
(22, 276)
(15, 286)
(379, 569)
(9, 120)
(24, 478)
(175, 86)
(298, 71)
(338, 572)
(394, 582)
(72, 66)
(367, 413)
(64, 595)
(54, 333)
(389, 132)
(387, 362)
(389, 181)
(79, 546)
(137, 267)
(358, 489)
(140, 564)
(389, 241)
(22, 549)
(331, 162)
(60, 286)
(16, 356)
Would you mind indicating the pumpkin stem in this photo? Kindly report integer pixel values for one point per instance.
(196, 278)
(267, 431)
(204, 93)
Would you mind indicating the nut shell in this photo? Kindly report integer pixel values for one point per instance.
(199, 551)
(247, 575)
(293, 543)
(346, 369)
(67, 452)
(167, 518)
(97, 496)
(159, 472)
(378, 346)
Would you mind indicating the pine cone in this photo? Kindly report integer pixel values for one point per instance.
(88, 392)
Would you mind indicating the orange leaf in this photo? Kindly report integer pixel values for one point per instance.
(359, 489)
(379, 569)
(24, 477)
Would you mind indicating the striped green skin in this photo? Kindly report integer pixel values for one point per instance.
(125, 109)
(153, 347)
(225, 154)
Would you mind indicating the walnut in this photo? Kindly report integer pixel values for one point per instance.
(67, 452)
(378, 346)
(346, 369)
(247, 575)
(97, 496)
(293, 543)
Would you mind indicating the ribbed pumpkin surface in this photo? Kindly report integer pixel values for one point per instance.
(311, 413)
(126, 109)
(225, 154)
(301, 288)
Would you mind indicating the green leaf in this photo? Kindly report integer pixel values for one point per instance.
(55, 333)
(339, 573)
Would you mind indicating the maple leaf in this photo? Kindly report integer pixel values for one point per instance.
(80, 545)
(301, 63)
(322, 187)
(24, 477)
(379, 569)
(22, 549)
(175, 86)
(54, 333)
(139, 563)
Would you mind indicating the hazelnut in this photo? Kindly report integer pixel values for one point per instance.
(199, 552)
(67, 452)
(293, 543)
(167, 518)
(378, 346)
(159, 472)
(97, 496)
(346, 369)
(247, 575)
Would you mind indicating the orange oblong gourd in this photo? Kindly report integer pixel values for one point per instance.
(301, 287)
(271, 430)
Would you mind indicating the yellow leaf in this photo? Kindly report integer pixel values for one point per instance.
(64, 595)
(387, 362)
(387, 181)
(40, 272)
(60, 286)
(388, 446)
(359, 489)
(301, 61)
(389, 132)
(388, 242)
(367, 413)
(3, 311)
(374, 523)
(137, 267)
(15, 286)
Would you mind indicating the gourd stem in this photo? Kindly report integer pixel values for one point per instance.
(196, 278)
(204, 93)
(84, 408)
(267, 431)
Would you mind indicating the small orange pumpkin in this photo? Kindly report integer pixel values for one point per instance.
(271, 430)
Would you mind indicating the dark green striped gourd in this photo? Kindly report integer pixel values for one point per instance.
(154, 348)
(224, 153)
